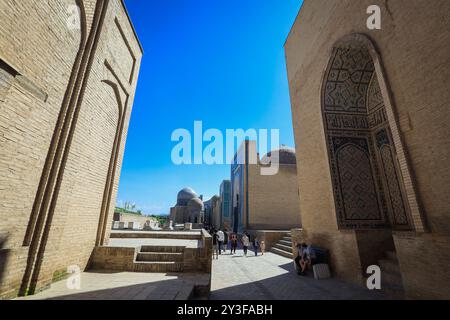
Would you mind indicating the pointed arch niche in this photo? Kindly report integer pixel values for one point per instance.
(122, 97)
(372, 183)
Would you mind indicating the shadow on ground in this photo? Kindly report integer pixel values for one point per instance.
(105, 285)
(289, 286)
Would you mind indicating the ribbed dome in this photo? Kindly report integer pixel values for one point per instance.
(195, 203)
(286, 156)
(185, 195)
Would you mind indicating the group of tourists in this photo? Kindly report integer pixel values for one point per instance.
(224, 240)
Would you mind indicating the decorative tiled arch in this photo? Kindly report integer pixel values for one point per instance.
(347, 91)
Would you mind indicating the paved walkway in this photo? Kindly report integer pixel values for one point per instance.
(268, 277)
(124, 286)
(273, 277)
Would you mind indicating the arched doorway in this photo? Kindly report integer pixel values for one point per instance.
(368, 187)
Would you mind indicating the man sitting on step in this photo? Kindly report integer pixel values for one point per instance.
(305, 258)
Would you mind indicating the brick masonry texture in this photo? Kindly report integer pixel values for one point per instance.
(414, 51)
(36, 43)
(198, 259)
(273, 199)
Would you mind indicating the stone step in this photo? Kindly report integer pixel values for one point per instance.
(283, 247)
(389, 266)
(285, 242)
(287, 238)
(158, 266)
(391, 255)
(282, 253)
(160, 256)
(169, 249)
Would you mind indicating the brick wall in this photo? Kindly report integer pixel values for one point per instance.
(27, 121)
(38, 45)
(198, 260)
(414, 53)
(273, 199)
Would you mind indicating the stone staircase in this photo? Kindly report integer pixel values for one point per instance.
(284, 246)
(159, 259)
(391, 279)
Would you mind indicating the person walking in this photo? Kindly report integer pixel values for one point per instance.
(245, 243)
(220, 238)
(215, 242)
(234, 243)
(256, 245)
(225, 241)
(263, 247)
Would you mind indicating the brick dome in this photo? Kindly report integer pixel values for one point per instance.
(286, 156)
(185, 195)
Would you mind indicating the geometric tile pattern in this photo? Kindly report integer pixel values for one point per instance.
(398, 210)
(365, 179)
(357, 186)
(348, 80)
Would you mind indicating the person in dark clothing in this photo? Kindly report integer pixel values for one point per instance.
(234, 243)
(215, 242)
(256, 245)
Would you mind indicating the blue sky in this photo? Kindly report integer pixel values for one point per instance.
(220, 62)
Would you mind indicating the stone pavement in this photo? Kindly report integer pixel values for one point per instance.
(125, 286)
(268, 277)
(273, 277)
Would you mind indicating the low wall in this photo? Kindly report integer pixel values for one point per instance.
(113, 258)
(136, 218)
(122, 258)
(199, 259)
(187, 235)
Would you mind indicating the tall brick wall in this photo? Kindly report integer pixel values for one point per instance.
(37, 43)
(273, 199)
(414, 52)
(27, 121)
